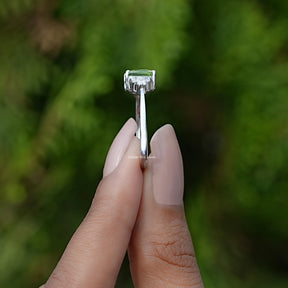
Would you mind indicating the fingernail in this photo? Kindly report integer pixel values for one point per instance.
(119, 146)
(167, 167)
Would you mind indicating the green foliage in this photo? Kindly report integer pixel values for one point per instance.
(222, 71)
(15, 7)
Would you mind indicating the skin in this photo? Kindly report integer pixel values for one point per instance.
(134, 210)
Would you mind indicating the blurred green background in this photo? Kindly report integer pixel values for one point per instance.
(222, 81)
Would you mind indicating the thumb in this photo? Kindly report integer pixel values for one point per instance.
(161, 250)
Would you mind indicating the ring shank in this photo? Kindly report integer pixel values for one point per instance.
(141, 132)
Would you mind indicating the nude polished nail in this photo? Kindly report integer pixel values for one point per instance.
(119, 146)
(167, 167)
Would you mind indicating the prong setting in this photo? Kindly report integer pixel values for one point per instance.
(134, 80)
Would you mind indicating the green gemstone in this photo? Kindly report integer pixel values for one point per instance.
(141, 72)
(135, 80)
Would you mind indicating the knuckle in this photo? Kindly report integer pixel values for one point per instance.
(173, 248)
(174, 253)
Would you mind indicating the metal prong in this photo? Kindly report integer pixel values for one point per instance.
(139, 82)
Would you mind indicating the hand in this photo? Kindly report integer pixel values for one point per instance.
(139, 211)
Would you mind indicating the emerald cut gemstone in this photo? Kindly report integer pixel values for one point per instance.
(141, 72)
(134, 80)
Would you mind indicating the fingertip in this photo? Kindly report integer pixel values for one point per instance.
(119, 146)
(167, 167)
(129, 167)
(166, 129)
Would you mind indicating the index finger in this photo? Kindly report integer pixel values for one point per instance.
(94, 254)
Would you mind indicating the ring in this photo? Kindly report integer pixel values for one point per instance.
(140, 82)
